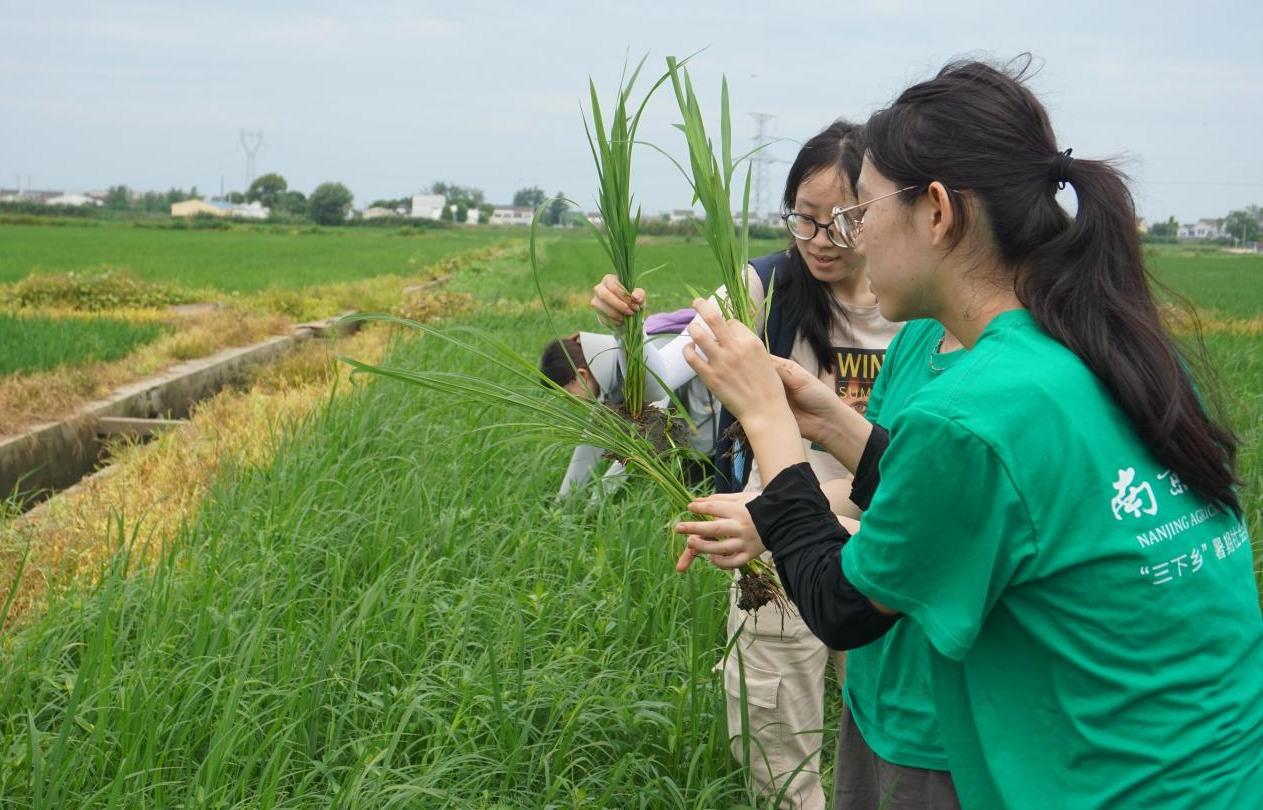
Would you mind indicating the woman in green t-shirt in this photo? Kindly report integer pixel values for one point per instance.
(1058, 514)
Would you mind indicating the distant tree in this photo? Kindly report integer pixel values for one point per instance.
(118, 198)
(329, 204)
(156, 201)
(532, 197)
(1164, 229)
(555, 213)
(267, 190)
(176, 195)
(485, 211)
(236, 197)
(293, 202)
(1243, 224)
(467, 197)
(394, 205)
(459, 215)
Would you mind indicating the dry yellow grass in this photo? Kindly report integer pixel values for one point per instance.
(376, 294)
(154, 488)
(1182, 321)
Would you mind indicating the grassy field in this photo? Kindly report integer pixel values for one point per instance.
(364, 623)
(243, 259)
(314, 274)
(33, 343)
(1228, 285)
(393, 612)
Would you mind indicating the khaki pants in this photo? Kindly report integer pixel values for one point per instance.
(784, 669)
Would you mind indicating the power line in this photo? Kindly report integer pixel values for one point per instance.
(1231, 183)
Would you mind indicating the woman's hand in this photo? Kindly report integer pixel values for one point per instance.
(822, 415)
(735, 366)
(728, 541)
(613, 303)
(816, 405)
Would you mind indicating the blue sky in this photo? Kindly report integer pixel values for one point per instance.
(389, 97)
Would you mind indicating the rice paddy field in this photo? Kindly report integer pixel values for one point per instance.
(390, 610)
(85, 307)
(34, 343)
(241, 259)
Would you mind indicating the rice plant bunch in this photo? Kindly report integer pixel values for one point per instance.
(711, 177)
(612, 141)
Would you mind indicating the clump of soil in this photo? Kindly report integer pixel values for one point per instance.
(736, 436)
(662, 430)
(756, 590)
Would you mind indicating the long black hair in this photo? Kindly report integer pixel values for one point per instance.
(980, 131)
(808, 303)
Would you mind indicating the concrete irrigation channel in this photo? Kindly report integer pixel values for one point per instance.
(50, 457)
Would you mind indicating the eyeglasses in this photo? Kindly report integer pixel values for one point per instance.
(804, 228)
(849, 226)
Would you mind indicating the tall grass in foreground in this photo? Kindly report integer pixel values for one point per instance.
(390, 614)
(656, 446)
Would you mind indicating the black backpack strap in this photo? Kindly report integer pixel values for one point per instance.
(772, 269)
(780, 341)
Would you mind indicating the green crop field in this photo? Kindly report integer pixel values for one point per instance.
(33, 343)
(1229, 285)
(394, 613)
(243, 259)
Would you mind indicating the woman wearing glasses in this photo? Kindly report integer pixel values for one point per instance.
(1058, 514)
(823, 316)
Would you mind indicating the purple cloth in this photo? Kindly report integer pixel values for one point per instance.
(669, 323)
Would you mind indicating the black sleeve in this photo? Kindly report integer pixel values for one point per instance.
(793, 518)
(867, 477)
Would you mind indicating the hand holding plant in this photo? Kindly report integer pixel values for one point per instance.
(729, 539)
(736, 367)
(734, 364)
(815, 404)
(612, 302)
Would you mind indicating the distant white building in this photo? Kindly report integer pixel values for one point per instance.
(16, 195)
(512, 215)
(220, 208)
(428, 206)
(71, 199)
(681, 215)
(376, 212)
(254, 210)
(768, 220)
(473, 216)
(595, 218)
(1203, 229)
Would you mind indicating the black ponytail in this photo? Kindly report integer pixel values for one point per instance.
(807, 302)
(979, 130)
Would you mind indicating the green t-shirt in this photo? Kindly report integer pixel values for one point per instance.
(1096, 633)
(888, 681)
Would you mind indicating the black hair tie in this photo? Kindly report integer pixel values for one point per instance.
(1060, 172)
